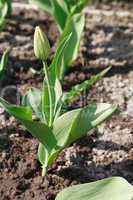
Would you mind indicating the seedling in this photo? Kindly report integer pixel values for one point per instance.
(70, 18)
(41, 111)
(5, 11)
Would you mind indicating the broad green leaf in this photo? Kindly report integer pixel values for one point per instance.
(42, 132)
(3, 63)
(33, 100)
(62, 127)
(114, 188)
(77, 89)
(75, 124)
(39, 130)
(17, 111)
(43, 4)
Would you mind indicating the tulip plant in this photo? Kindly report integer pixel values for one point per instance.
(70, 18)
(41, 111)
(5, 11)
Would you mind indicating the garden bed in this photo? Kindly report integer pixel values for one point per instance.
(109, 150)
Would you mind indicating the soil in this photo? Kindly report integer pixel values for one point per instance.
(108, 151)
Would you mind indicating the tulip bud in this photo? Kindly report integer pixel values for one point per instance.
(41, 44)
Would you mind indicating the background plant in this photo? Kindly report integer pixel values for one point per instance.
(41, 111)
(70, 18)
(115, 188)
(3, 63)
(5, 11)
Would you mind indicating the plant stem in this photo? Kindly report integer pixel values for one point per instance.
(49, 91)
(44, 170)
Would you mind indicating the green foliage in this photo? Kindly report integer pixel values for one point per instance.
(70, 18)
(3, 63)
(5, 11)
(115, 188)
(41, 113)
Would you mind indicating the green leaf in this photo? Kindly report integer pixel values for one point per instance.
(75, 124)
(57, 66)
(5, 11)
(39, 130)
(46, 103)
(17, 111)
(33, 100)
(62, 127)
(42, 154)
(77, 89)
(79, 6)
(9, 2)
(60, 13)
(115, 188)
(90, 117)
(43, 4)
(55, 89)
(4, 62)
(57, 8)
(75, 6)
(74, 25)
(58, 99)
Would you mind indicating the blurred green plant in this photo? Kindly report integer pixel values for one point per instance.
(5, 11)
(3, 63)
(70, 18)
(115, 188)
(41, 111)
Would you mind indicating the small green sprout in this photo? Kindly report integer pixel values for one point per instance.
(41, 111)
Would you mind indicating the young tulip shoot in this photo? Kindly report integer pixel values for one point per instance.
(54, 128)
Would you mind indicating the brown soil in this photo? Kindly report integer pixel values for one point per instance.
(109, 150)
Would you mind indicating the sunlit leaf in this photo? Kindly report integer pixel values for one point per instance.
(74, 25)
(57, 66)
(75, 124)
(39, 130)
(115, 188)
